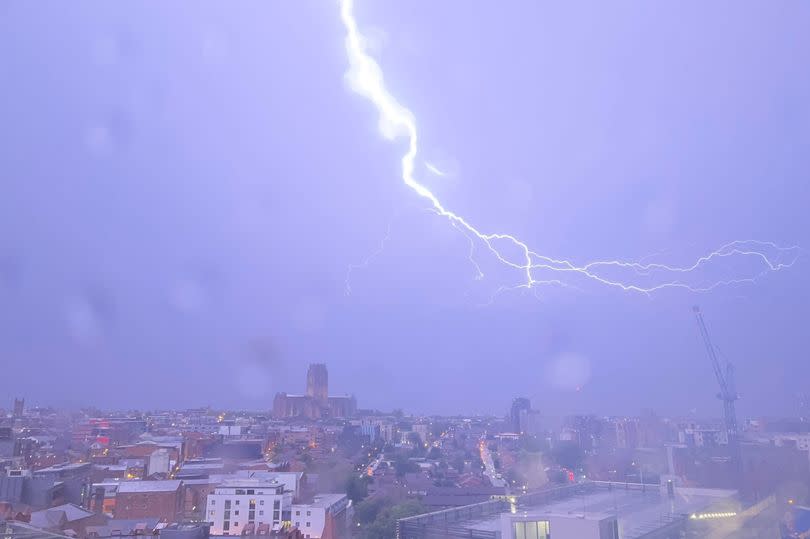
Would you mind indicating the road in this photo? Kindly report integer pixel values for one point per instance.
(489, 465)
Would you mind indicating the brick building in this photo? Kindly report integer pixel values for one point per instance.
(142, 499)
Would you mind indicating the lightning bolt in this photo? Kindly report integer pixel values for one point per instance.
(365, 76)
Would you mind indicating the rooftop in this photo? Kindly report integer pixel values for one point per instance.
(55, 516)
(639, 509)
(14, 530)
(65, 466)
(249, 483)
(168, 485)
(327, 500)
(123, 527)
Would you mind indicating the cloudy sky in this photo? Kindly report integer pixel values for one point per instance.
(184, 188)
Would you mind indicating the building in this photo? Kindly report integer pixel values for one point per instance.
(159, 462)
(8, 444)
(327, 517)
(531, 422)
(247, 505)
(72, 478)
(520, 405)
(626, 433)
(316, 403)
(19, 407)
(592, 510)
(145, 499)
(318, 383)
(66, 517)
(188, 530)
(102, 497)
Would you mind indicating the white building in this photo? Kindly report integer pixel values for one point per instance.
(251, 503)
(328, 512)
(159, 462)
(699, 436)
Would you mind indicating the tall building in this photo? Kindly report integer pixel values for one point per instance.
(316, 403)
(520, 405)
(19, 406)
(318, 382)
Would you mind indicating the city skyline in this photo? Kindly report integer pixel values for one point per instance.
(367, 269)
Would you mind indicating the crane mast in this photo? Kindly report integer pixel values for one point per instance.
(728, 394)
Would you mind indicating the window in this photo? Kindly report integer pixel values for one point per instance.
(251, 491)
(309, 513)
(237, 502)
(307, 524)
(261, 502)
(227, 504)
(276, 504)
(212, 502)
(298, 513)
(531, 530)
(236, 513)
(211, 513)
(297, 524)
(240, 491)
(261, 513)
(226, 525)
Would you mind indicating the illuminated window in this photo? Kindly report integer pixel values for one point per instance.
(531, 530)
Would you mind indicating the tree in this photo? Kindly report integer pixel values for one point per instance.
(366, 511)
(458, 463)
(568, 455)
(402, 466)
(435, 453)
(385, 525)
(356, 488)
(532, 444)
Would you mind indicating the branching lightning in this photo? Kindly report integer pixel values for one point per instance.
(366, 78)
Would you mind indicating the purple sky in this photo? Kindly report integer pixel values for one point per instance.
(185, 186)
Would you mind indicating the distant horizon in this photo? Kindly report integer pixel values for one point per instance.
(407, 413)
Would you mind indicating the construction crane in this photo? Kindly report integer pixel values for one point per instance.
(728, 394)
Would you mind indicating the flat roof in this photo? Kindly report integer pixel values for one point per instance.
(638, 509)
(167, 485)
(62, 467)
(327, 500)
(249, 483)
